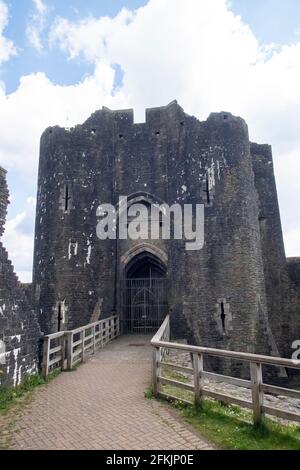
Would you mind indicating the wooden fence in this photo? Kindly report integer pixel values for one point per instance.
(66, 349)
(161, 343)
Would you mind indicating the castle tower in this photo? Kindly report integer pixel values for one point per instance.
(217, 295)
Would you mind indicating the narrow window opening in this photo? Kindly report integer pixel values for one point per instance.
(67, 198)
(225, 116)
(223, 317)
(121, 136)
(182, 123)
(59, 317)
(157, 133)
(207, 190)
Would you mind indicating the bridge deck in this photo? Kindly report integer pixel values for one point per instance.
(101, 405)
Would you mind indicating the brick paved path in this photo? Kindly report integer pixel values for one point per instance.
(101, 405)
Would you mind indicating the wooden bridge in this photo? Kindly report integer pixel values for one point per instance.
(101, 405)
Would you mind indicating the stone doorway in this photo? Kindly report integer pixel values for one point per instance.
(144, 294)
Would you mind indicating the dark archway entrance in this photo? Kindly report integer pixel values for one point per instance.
(144, 294)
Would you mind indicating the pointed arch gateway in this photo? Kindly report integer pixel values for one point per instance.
(144, 290)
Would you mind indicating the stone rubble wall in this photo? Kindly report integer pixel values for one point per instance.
(19, 329)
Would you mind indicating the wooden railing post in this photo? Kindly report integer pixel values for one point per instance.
(63, 351)
(118, 326)
(94, 338)
(155, 370)
(82, 345)
(46, 349)
(69, 349)
(258, 388)
(257, 394)
(198, 378)
(101, 335)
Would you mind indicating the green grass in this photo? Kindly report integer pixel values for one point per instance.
(229, 426)
(149, 393)
(13, 400)
(10, 396)
(174, 375)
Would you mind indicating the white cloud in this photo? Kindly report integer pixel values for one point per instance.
(197, 52)
(19, 242)
(7, 48)
(292, 244)
(89, 36)
(36, 24)
(24, 115)
(38, 103)
(203, 55)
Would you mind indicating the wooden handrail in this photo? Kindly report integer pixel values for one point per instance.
(247, 357)
(161, 343)
(68, 353)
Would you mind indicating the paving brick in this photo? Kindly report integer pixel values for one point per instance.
(102, 406)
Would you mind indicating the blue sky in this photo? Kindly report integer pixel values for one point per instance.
(271, 20)
(63, 63)
(53, 63)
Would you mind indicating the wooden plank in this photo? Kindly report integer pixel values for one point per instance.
(86, 338)
(82, 346)
(157, 337)
(257, 393)
(45, 364)
(281, 414)
(77, 361)
(55, 335)
(69, 350)
(76, 353)
(63, 351)
(287, 392)
(167, 396)
(56, 360)
(241, 356)
(229, 399)
(227, 379)
(175, 383)
(79, 330)
(94, 339)
(155, 361)
(187, 370)
(107, 327)
(54, 350)
(198, 377)
(89, 345)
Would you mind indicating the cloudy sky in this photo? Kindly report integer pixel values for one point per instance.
(61, 60)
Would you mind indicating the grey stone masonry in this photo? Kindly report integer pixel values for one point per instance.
(19, 328)
(235, 293)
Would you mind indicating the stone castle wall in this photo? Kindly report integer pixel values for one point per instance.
(241, 271)
(19, 329)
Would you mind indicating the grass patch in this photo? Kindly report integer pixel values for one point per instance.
(179, 393)
(12, 400)
(10, 396)
(149, 393)
(174, 375)
(230, 427)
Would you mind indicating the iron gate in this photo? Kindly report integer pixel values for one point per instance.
(144, 304)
